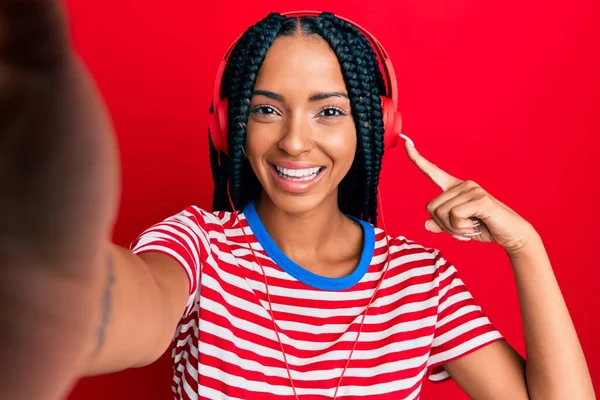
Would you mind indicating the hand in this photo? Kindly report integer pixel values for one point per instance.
(58, 166)
(468, 212)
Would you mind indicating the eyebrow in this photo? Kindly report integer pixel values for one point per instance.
(325, 95)
(266, 93)
(313, 97)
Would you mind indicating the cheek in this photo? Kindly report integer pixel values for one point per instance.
(256, 147)
(341, 147)
(251, 135)
(261, 137)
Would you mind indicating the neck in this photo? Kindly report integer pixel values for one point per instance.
(302, 232)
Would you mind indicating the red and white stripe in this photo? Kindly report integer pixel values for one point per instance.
(225, 345)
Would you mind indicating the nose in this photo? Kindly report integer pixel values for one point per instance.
(297, 136)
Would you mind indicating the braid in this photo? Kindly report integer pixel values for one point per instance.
(364, 82)
(369, 54)
(237, 85)
(217, 165)
(250, 59)
(375, 90)
(363, 91)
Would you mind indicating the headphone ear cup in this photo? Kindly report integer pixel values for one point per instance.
(213, 128)
(217, 123)
(223, 118)
(392, 123)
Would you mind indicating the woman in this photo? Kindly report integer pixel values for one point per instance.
(295, 294)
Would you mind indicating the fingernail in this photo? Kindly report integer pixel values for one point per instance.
(461, 238)
(472, 234)
(409, 140)
(426, 227)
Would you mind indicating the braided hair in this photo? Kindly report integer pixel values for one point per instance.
(364, 82)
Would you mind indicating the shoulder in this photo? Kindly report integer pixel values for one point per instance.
(192, 224)
(195, 216)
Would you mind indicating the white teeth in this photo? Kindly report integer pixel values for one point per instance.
(298, 174)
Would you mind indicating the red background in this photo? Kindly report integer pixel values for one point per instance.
(504, 93)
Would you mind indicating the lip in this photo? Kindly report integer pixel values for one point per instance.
(296, 187)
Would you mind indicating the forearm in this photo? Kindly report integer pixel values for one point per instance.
(133, 316)
(555, 367)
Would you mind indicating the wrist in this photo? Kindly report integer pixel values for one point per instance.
(530, 245)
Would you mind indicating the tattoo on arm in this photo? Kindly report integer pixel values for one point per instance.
(106, 305)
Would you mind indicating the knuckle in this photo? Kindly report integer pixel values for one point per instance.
(486, 199)
(430, 208)
(456, 219)
(469, 184)
(455, 213)
(441, 214)
(478, 192)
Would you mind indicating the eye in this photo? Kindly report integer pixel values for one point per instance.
(264, 109)
(330, 112)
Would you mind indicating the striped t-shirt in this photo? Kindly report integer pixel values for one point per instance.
(225, 346)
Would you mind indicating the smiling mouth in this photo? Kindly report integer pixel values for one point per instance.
(298, 175)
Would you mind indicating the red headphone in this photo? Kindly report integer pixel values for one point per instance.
(392, 120)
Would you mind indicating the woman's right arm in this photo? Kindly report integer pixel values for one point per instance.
(70, 303)
(143, 299)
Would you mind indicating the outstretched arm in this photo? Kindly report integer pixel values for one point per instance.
(70, 303)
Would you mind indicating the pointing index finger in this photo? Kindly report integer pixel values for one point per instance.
(440, 177)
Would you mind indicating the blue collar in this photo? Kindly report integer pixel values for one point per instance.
(303, 275)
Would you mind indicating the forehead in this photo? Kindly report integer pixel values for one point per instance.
(300, 64)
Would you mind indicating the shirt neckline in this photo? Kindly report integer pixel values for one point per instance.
(302, 274)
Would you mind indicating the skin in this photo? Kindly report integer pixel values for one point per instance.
(286, 125)
(65, 314)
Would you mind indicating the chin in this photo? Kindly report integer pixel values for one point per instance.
(296, 204)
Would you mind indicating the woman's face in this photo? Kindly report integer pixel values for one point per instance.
(301, 138)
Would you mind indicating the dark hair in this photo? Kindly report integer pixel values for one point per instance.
(364, 83)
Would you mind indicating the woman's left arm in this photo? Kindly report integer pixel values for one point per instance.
(555, 367)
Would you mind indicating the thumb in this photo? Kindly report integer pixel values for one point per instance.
(432, 226)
